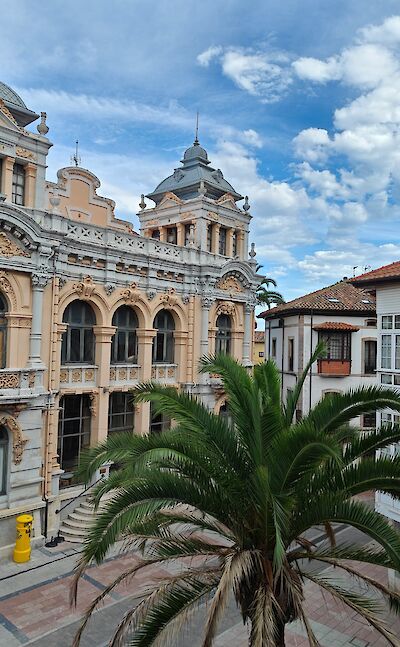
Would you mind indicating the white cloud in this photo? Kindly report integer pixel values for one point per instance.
(312, 69)
(208, 55)
(312, 144)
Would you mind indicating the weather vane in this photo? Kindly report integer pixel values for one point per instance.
(75, 159)
(196, 139)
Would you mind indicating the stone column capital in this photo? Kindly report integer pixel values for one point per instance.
(104, 333)
(39, 281)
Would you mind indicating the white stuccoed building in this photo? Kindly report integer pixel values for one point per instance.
(341, 315)
(384, 283)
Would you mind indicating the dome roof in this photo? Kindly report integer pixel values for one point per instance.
(195, 152)
(8, 94)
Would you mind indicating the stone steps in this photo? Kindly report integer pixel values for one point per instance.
(74, 527)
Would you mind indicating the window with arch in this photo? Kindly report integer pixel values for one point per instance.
(163, 344)
(78, 340)
(4, 449)
(3, 331)
(223, 338)
(124, 342)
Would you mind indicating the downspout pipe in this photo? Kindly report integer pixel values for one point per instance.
(311, 352)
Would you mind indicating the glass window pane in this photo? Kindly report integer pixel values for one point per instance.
(75, 345)
(386, 379)
(386, 351)
(397, 352)
(88, 355)
(387, 322)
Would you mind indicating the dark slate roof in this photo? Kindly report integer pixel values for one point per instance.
(185, 180)
(337, 298)
(22, 115)
(381, 275)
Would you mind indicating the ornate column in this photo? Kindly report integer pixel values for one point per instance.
(145, 359)
(247, 338)
(99, 398)
(8, 166)
(30, 185)
(229, 241)
(206, 303)
(180, 234)
(39, 282)
(215, 238)
(163, 234)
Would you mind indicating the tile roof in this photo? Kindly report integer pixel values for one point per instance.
(340, 297)
(336, 325)
(259, 335)
(385, 273)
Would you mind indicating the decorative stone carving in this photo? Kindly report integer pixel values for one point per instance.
(122, 374)
(131, 294)
(85, 288)
(171, 372)
(133, 373)
(169, 298)
(185, 299)
(226, 308)
(43, 128)
(153, 372)
(93, 404)
(39, 280)
(9, 381)
(212, 216)
(15, 321)
(229, 283)
(151, 294)
(23, 152)
(61, 282)
(76, 375)
(89, 375)
(63, 377)
(5, 286)
(18, 441)
(161, 372)
(109, 288)
(207, 301)
(113, 374)
(8, 248)
(31, 380)
(7, 113)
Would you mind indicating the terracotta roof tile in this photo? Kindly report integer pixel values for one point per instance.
(340, 297)
(336, 325)
(384, 273)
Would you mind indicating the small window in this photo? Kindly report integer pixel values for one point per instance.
(396, 379)
(120, 412)
(369, 356)
(290, 354)
(261, 353)
(369, 420)
(18, 184)
(172, 235)
(222, 241)
(163, 344)
(124, 341)
(158, 422)
(273, 349)
(387, 322)
(386, 351)
(397, 322)
(223, 335)
(338, 345)
(3, 331)
(3, 460)
(386, 379)
(78, 340)
(371, 323)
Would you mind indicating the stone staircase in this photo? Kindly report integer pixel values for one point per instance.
(74, 527)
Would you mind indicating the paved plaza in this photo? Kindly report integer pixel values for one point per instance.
(35, 610)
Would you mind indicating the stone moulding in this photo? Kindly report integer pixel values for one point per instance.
(18, 442)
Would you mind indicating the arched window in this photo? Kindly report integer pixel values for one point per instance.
(73, 432)
(3, 331)
(3, 459)
(224, 334)
(78, 340)
(163, 344)
(124, 342)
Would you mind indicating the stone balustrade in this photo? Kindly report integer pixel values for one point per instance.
(164, 373)
(124, 374)
(78, 376)
(20, 384)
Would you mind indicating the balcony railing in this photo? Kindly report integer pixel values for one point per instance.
(334, 367)
(164, 373)
(122, 374)
(78, 375)
(19, 384)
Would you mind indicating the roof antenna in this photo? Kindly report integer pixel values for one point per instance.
(75, 159)
(196, 139)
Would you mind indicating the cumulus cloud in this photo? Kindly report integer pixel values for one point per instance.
(208, 55)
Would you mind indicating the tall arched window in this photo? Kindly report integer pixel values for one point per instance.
(124, 342)
(3, 459)
(3, 331)
(163, 344)
(78, 340)
(224, 334)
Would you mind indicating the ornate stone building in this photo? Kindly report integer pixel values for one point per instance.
(89, 308)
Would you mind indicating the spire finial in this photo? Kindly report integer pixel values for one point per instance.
(196, 139)
(75, 159)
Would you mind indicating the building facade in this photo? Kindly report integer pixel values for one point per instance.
(384, 284)
(342, 316)
(89, 308)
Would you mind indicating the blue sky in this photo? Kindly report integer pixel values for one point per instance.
(299, 106)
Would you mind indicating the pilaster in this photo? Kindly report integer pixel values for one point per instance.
(8, 166)
(30, 185)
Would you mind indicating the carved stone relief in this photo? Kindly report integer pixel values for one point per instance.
(229, 283)
(169, 298)
(8, 248)
(18, 441)
(84, 288)
(226, 308)
(131, 294)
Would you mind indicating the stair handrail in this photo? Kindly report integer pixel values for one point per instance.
(80, 494)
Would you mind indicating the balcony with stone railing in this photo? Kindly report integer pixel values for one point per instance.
(122, 375)
(74, 376)
(165, 373)
(20, 384)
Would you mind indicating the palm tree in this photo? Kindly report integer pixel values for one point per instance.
(266, 296)
(233, 499)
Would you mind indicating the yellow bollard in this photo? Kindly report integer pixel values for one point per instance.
(22, 550)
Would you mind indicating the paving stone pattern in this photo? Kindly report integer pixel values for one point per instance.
(35, 609)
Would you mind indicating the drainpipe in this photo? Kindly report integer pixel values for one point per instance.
(269, 339)
(311, 352)
(283, 352)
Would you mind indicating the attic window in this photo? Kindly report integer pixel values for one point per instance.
(333, 299)
(365, 301)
